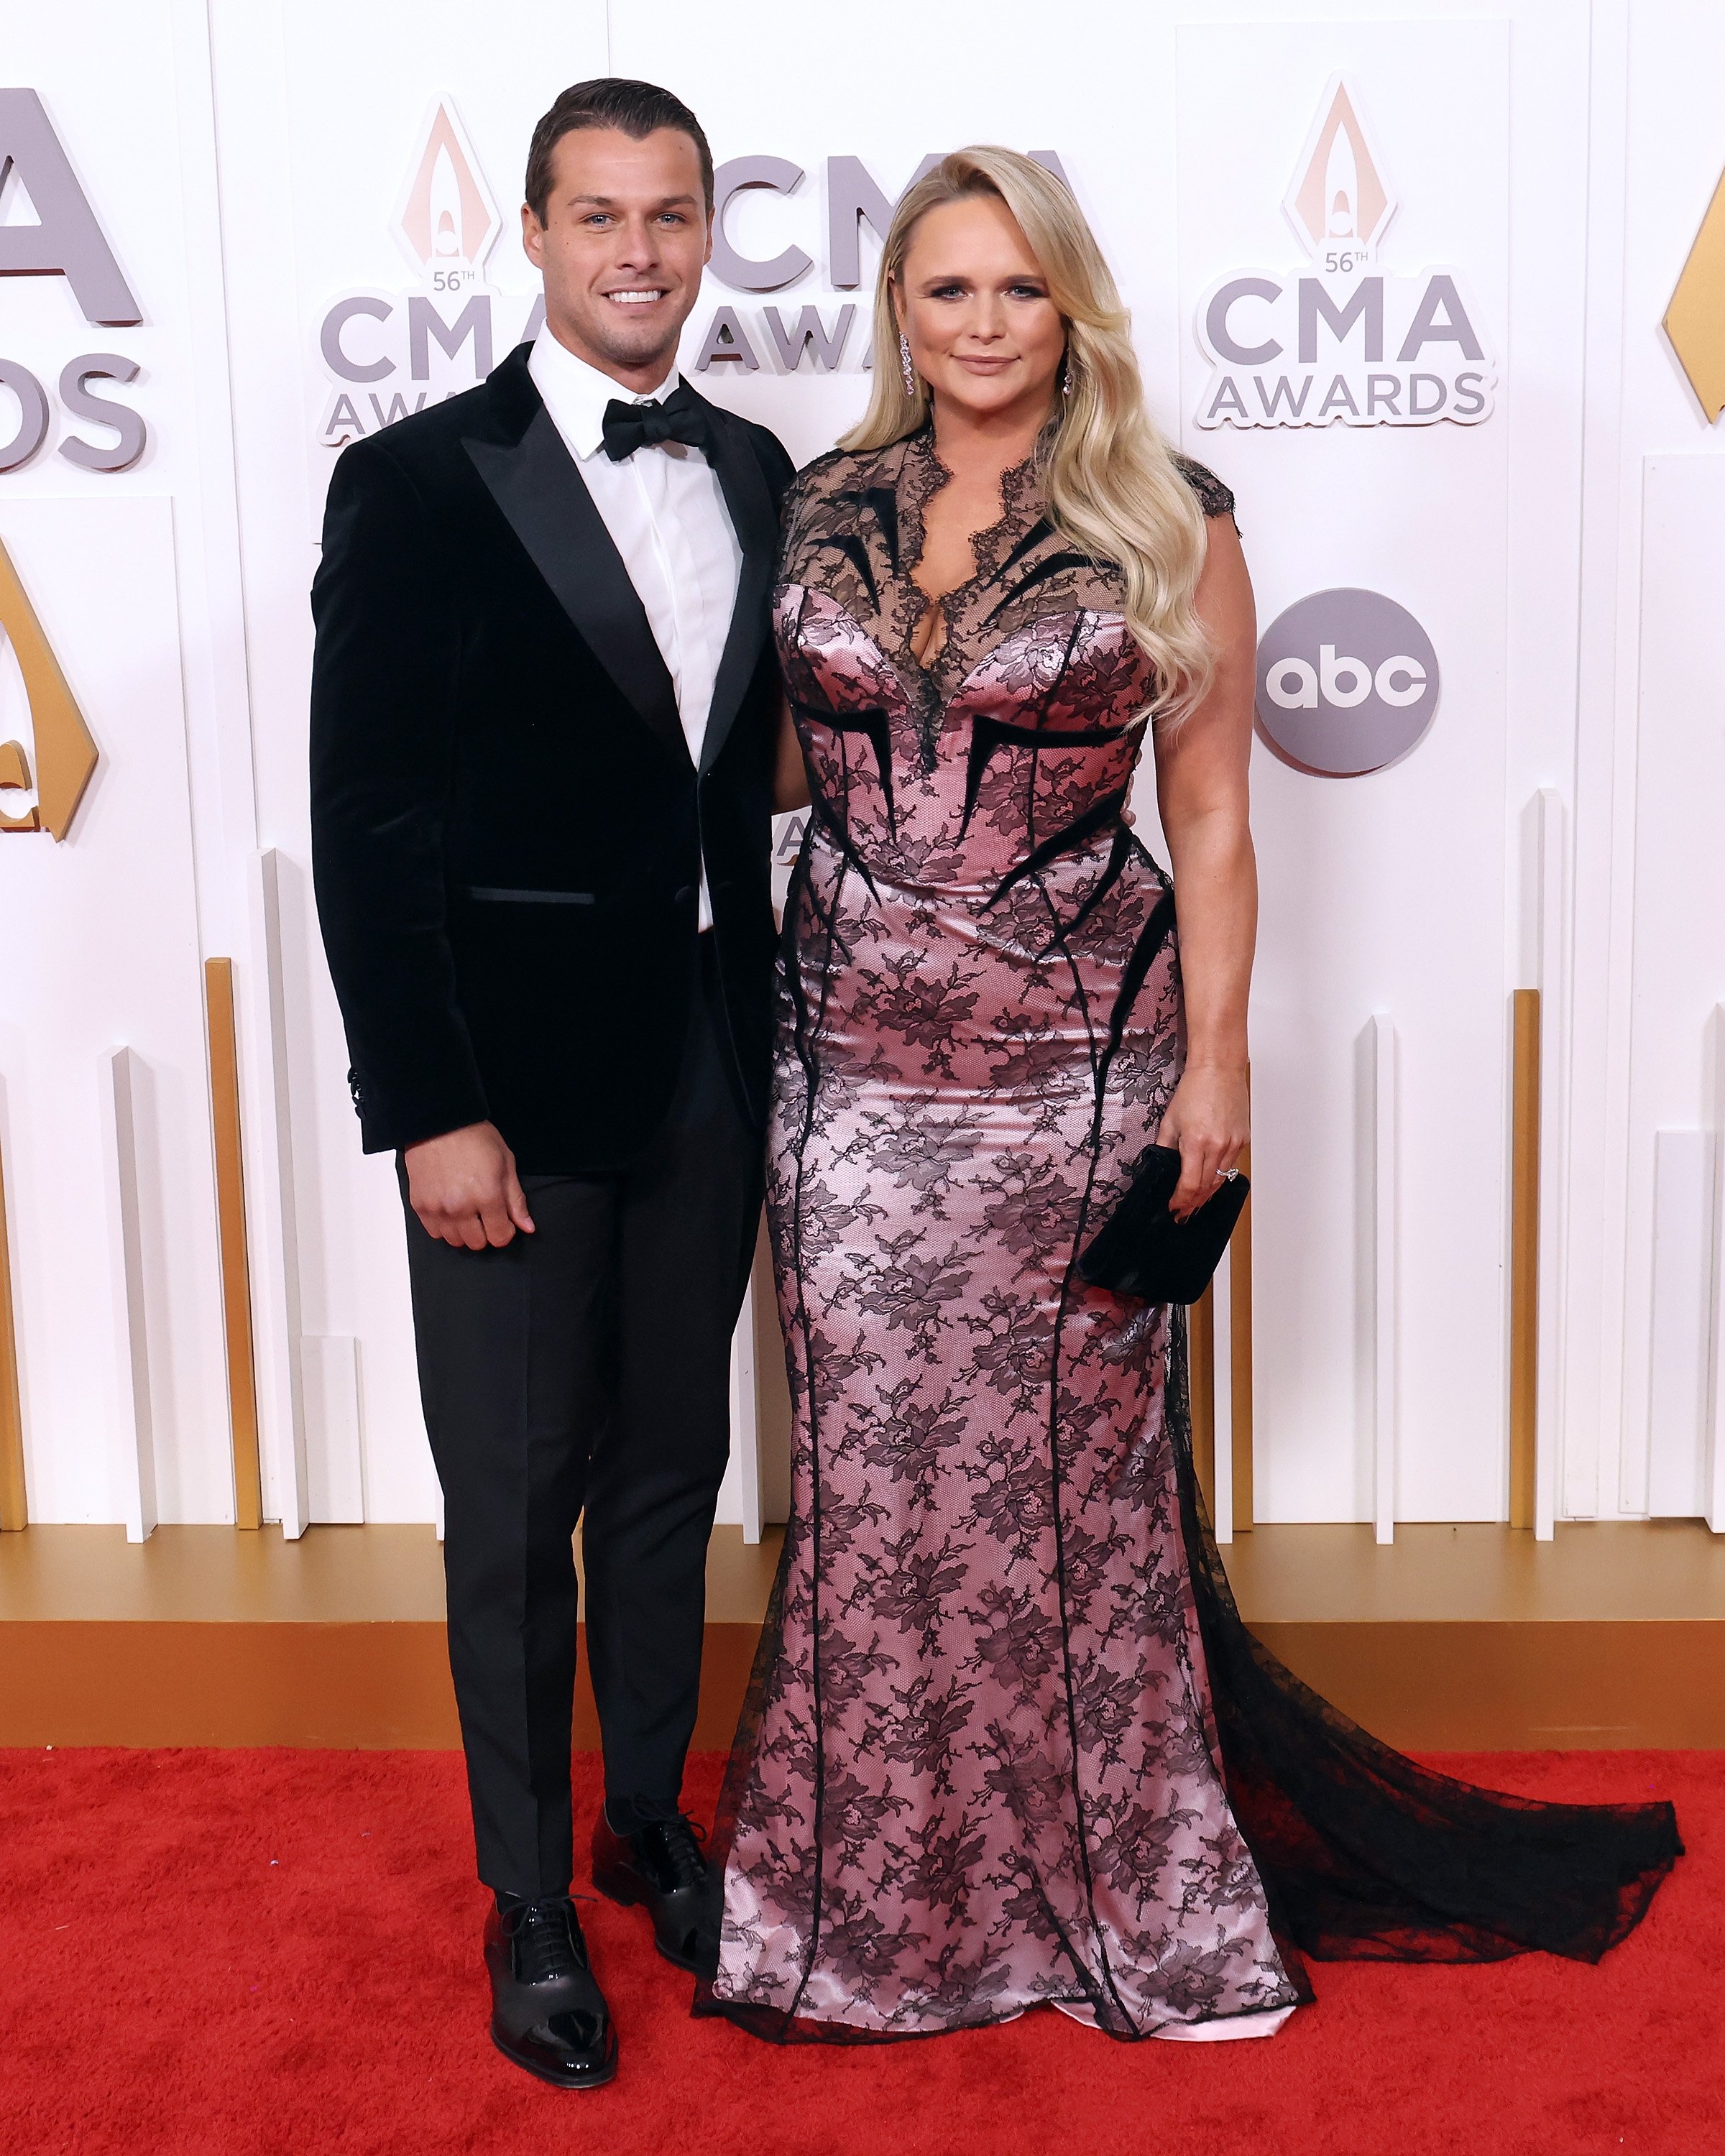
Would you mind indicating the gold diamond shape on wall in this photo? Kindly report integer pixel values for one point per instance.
(1695, 320)
(65, 754)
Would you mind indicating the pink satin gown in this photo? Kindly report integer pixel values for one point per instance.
(983, 1770)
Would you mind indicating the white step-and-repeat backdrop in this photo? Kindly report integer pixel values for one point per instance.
(1400, 279)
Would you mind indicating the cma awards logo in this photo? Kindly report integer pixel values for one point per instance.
(391, 353)
(1350, 340)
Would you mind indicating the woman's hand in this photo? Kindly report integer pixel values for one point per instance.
(1209, 1119)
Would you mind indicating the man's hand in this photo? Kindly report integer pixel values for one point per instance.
(464, 1189)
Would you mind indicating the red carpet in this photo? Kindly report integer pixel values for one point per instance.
(223, 1952)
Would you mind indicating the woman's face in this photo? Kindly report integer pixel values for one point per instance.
(985, 334)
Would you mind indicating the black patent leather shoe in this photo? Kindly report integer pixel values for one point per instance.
(547, 2012)
(660, 1867)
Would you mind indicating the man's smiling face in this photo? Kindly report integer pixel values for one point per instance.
(625, 239)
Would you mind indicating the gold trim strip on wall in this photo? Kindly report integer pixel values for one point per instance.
(1240, 1354)
(1524, 1256)
(14, 1501)
(1201, 1386)
(230, 1220)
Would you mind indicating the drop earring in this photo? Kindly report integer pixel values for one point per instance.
(905, 367)
(1067, 376)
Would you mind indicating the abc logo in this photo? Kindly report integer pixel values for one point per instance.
(1347, 681)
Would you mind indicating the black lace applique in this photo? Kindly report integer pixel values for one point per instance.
(1215, 497)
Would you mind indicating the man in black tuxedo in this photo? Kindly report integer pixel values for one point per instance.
(544, 733)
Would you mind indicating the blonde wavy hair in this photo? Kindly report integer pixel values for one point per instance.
(1112, 487)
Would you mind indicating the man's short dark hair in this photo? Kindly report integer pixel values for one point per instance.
(611, 101)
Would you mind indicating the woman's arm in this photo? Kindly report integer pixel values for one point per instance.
(790, 780)
(1201, 789)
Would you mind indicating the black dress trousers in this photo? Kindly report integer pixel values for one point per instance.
(585, 1369)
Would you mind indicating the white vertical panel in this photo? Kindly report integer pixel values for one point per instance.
(280, 1378)
(1550, 866)
(134, 1437)
(1222, 1332)
(1678, 884)
(1713, 1490)
(100, 946)
(1389, 890)
(1559, 173)
(1384, 1277)
(1680, 1362)
(746, 1420)
(1650, 754)
(136, 575)
(273, 1256)
(334, 1469)
(1604, 632)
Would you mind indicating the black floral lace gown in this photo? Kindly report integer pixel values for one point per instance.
(1008, 1743)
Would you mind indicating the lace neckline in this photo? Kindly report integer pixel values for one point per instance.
(922, 476)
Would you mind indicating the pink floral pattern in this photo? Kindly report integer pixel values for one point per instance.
(986, 1773)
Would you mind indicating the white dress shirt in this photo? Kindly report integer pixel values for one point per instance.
(666, 515)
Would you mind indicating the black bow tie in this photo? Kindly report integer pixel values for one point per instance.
(682, 418)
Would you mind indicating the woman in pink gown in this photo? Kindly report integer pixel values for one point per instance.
(1008, 1742)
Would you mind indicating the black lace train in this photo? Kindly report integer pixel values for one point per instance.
(1367, 1856)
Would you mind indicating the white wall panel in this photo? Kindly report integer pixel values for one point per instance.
(1564, 555)
(101, 952)
(1680, 1359)
(1679, 948)
(1387, 890)
(136, 575)
(1658, 151)
(123, 1102)
(335, 1457)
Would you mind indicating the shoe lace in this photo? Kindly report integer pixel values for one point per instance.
(680, 1841)
(547, 1939)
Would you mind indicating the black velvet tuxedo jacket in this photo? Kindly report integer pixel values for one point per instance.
(507, 828)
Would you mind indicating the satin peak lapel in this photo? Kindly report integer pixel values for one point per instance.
(535, 483)
(744, 487)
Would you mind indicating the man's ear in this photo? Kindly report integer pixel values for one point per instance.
(532, 237)
(708, 256)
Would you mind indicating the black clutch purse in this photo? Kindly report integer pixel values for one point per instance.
(1141, 1250)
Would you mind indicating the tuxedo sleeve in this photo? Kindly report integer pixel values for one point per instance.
(775, 464)
(383, 698)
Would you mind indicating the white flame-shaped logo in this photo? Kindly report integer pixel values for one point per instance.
(1341, 197)
(446, 218)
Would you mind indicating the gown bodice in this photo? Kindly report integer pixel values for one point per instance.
(1021, 727)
